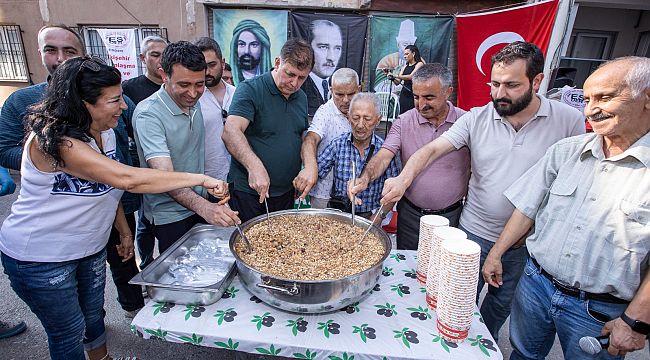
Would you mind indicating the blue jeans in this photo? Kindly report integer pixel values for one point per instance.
(495, 308)
(539, 310)
(68, 299)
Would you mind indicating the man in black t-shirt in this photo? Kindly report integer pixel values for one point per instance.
(141, 87)
(138, 89)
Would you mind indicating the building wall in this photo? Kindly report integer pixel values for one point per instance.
(184, 19)
(627, 23)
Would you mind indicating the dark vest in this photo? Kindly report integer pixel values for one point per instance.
(314, 98)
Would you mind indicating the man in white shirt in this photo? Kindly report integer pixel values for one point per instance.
(215, 102)
(330, 121)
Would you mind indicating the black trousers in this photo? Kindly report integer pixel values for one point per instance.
(129, 296)
(167, 234)
(408, 224)
(249, 205)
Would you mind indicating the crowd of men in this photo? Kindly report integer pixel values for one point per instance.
(561, 216)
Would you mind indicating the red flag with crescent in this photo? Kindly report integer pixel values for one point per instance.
(482, 35)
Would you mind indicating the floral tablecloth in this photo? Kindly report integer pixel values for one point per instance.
(393, 322)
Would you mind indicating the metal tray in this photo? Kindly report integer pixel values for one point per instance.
(185, 295)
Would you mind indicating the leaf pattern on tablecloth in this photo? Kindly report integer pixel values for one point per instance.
(365, 332)
(263, 320)
(307, 355)
(194, 339)
(231, 345)
(329, 327)
(300, 324)
(382, 314)
(270, 351)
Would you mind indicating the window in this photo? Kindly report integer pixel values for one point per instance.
(13, 65)
(95, 46)
(587, 50)
(643, 46)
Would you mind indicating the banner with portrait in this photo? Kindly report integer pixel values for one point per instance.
(390, 34)
(338, 40)
(249, 39)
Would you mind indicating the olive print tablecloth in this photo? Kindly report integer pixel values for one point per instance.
(393, 322)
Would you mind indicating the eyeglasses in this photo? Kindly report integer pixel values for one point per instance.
(224, 115)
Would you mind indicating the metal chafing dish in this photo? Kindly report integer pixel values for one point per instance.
(152, 275)
(317, 296)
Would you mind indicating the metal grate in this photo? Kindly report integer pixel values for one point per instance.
(95, 46)
(13, 64)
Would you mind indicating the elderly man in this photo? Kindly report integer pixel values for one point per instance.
(330, 121)
(169, 133)
(263, 133)
(587, 273)
(57, 43)
(441, 187)
(143, 86)
(505, 138)
(326, 40)
(215, 103)
(358, 147)
(250, 51)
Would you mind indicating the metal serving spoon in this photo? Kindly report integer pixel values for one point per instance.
(354, 181)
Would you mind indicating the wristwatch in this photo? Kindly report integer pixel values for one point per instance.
(636, 325)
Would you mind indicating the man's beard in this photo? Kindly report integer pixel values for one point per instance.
(212, 81)
(248, 62)
(515, 106)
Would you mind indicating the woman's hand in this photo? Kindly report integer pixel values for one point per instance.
(218, 189)
(125, 248)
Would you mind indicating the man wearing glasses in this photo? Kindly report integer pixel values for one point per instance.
(215, 102)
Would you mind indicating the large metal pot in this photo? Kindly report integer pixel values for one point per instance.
(317, 296)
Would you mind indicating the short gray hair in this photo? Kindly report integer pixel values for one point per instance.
(146, 43)
(369, 97)
(429, 71)
(345, 76)
(638, 76)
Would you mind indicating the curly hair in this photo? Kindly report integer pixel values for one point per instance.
(62, 113)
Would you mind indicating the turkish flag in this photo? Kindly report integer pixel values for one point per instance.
(482, 35)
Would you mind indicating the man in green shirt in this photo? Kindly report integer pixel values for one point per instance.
(263, 132)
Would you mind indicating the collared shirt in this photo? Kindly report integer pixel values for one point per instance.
(442, 183)
(329, 123)
(500, 155)
(162, 129)
(592, 214)
(338, 156)
(274, 132)
(217, 158)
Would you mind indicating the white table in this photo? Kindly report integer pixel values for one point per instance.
(393, 322)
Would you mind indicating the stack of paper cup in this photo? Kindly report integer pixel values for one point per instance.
(459, 266)
(427, 224)
(439, 235)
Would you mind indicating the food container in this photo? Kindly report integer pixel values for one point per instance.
(311, 296)
(154, 274)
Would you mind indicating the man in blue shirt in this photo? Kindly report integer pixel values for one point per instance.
(357, 146)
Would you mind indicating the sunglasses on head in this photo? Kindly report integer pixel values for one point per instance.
(92, 63)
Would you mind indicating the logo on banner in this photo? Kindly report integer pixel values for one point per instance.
(117, 39)
(496, 39)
